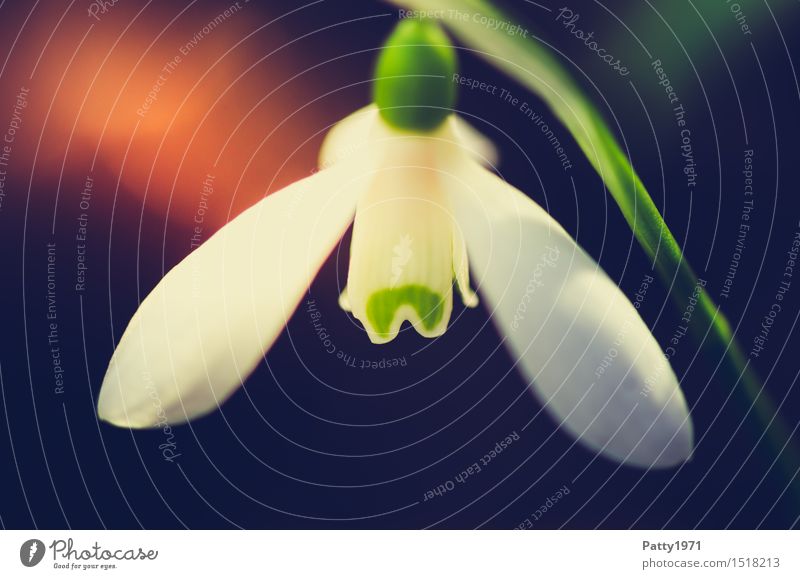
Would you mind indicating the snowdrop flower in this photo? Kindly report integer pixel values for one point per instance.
(409, 175)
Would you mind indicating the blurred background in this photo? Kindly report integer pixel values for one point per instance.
(127, 124)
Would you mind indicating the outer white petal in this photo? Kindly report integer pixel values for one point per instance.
(593, 362)
(207, 324)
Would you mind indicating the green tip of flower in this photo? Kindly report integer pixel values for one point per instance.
(413, 85)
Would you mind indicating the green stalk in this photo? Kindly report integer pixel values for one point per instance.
(534, 65)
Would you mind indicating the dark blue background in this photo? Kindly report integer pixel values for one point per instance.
(290, 452)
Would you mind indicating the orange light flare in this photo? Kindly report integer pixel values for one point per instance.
(167, 104)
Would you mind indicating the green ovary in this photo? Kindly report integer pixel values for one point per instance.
(413, 85)
(382, 306)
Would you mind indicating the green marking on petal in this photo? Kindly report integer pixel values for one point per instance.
(382, 306)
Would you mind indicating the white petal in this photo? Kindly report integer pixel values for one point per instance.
(349, 136)
(401, 260)
(593, 362)
(359, 132)
(344, 301)
(207, 324)
(477, 145)
(461, 268)
(406, 249)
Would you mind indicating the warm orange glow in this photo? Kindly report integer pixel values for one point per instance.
(164, 105)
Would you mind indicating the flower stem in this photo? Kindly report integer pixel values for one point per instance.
(534, 65)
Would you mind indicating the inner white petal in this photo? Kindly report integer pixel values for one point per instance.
(406, 251)
(401, 263)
